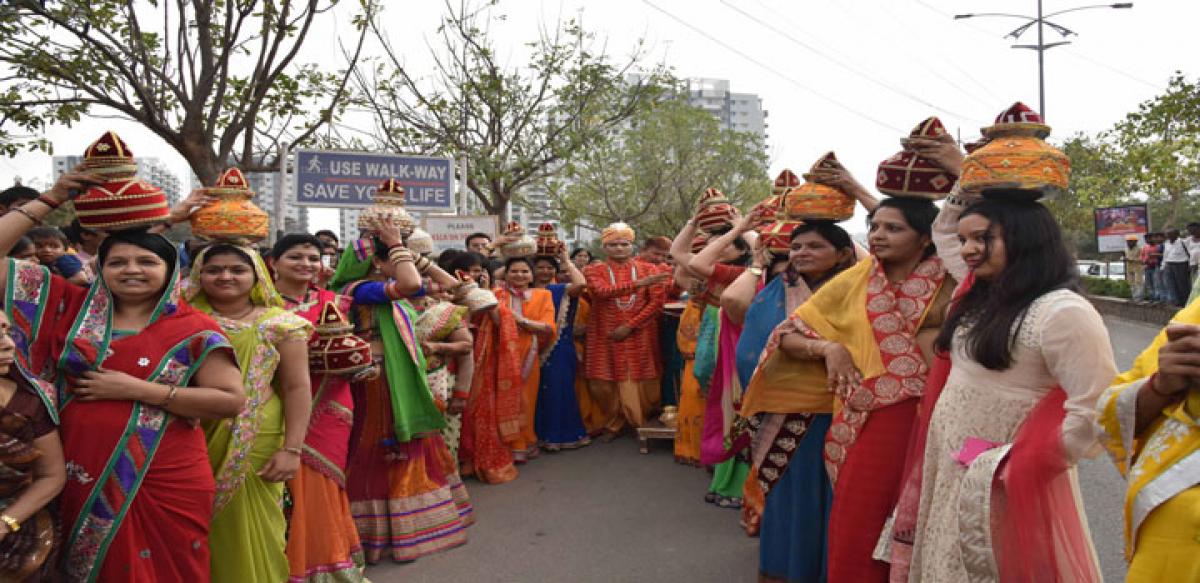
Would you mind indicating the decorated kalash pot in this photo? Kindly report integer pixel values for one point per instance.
(335, 349)
(908, 175)
(787, 180)
(1016, 162)
(547, 240)
(124, 201)
(714, 212)
(813, 201)
(232, 217)
(387, 204)
(420, 242)
(521, 245)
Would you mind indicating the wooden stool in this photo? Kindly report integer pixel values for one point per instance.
(653, 430)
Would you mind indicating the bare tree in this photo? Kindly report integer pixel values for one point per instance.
(513, 124)
(216, 79)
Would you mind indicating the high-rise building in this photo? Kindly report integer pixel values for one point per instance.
(150, 169)
(740, 112)
(349, 230)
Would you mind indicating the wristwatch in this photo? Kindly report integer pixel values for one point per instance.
(13, 524)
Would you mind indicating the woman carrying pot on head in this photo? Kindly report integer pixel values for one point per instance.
(405, 492)
(254, 454)
(322, 539)
(133, 363)
(866, 337)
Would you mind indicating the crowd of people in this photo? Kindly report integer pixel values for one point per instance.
(911, 410)
(1162, 266)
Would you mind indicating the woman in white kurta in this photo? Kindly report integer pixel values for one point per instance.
(1056, 339)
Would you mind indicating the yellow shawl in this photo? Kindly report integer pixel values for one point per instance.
(837, 312)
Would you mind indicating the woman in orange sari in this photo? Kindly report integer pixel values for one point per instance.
(533, 309)
(491, 419)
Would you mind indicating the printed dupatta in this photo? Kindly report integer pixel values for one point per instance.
(243, 429)
(181, 340)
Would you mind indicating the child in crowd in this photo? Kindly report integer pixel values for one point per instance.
(50, 245)
(23, 250)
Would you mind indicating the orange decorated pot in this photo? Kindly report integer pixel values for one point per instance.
(1016, 158)
(232, 217)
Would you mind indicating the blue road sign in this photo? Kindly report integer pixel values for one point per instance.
(335, 178)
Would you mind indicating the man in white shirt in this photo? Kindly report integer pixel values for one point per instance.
(1176, 259)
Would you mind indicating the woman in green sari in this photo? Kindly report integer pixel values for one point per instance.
(253, 454)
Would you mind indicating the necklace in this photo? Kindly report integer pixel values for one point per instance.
(612, 278)
(245, 313)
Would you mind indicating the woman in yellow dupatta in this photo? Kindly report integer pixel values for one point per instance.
(1150, 419)
(865, 338)
(255, 453)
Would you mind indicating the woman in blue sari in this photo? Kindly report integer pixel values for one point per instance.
(790, 475)
(557, 422)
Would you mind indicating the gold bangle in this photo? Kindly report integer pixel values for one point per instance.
(294, 450)
(17, 209)
(13, 524)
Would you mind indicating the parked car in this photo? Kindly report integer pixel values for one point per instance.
(1114, 270)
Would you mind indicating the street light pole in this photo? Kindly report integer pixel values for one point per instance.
(1041, 51)
(1041, 47)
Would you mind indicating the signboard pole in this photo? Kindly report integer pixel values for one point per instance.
(280, 195)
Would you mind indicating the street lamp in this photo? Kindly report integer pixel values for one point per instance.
(1041, 47)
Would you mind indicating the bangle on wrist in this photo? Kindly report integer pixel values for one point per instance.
(13, 524)
(17, 209)
(172, 390)
(292, 450)
(1153, 383)
(53, 204)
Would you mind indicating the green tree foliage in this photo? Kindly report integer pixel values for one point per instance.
(651, 174)
(1160, 147)
(217, 80)
(1098, 179)
(515, 124)
(1151, 156)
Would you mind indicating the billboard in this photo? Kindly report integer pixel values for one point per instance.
(450, 232)
(1113, 224)
(340, 179)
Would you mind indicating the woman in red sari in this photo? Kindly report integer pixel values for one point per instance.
(131, 363)
(872, 328)
(322, 541)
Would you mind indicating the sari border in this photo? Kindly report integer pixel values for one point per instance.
(1126, 409)
(1180, 476)
(975, 516)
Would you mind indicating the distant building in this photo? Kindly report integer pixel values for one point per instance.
(349, 222)
(740, 112)
(149, 169)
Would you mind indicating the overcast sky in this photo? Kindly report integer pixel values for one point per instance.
(851, 76)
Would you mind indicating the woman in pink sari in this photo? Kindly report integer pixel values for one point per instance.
(322, 540)
(132, 364)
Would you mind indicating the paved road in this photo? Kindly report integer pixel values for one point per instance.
(607, 514)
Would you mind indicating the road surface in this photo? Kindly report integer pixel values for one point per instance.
(609, 515)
